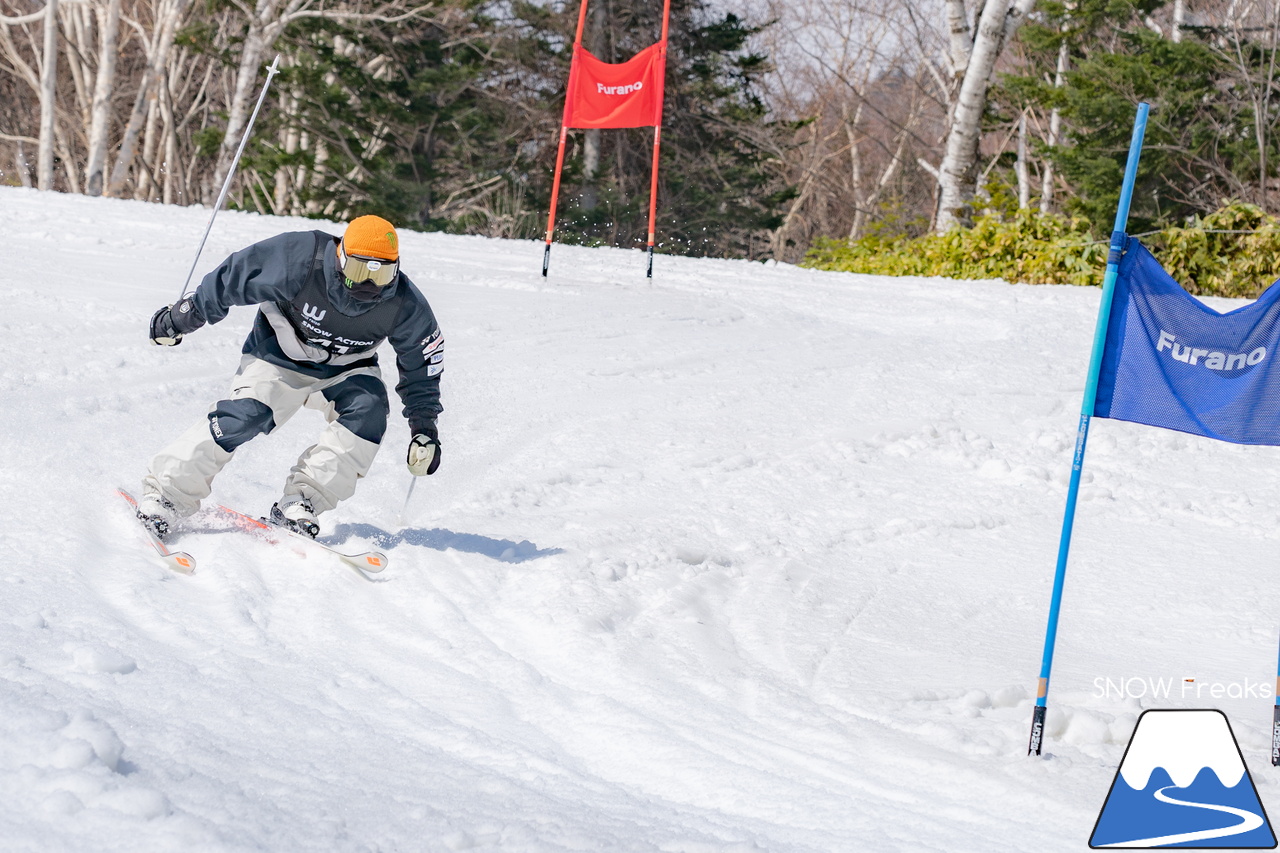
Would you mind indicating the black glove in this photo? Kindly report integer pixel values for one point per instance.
(424, 455)
(170, 323)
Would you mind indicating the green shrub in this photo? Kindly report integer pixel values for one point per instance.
(1036, 248)
(1222, 264)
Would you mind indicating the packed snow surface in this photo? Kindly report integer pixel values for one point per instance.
(745, 558)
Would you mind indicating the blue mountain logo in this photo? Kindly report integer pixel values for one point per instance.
(1183, 783)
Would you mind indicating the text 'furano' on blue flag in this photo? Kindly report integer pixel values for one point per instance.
(1171, 361)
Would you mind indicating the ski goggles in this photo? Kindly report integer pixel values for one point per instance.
(358, 270)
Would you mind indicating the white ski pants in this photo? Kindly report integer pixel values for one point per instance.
(263, 397)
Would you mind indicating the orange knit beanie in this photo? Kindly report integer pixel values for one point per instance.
(371, 237)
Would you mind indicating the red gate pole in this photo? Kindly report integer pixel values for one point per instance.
(564, 132)
(555, 194)
(657, 139)
(653, 194)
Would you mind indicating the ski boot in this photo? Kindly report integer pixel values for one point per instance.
(157, 515)
(296, 514)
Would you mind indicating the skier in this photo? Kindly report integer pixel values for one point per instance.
(324, 306)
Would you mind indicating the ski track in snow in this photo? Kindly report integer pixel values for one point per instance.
(747, 558)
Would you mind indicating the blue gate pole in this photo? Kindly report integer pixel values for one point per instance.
(1275, 724)
(1086, 414)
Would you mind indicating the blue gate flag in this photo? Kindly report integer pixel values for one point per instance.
(1171, 361)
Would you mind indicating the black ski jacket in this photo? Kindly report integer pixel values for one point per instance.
(309, 322)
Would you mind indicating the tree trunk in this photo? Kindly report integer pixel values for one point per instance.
(257, 42)
(289, 140)
(1022, 168)
(855, 169)
(24, 168)
(300, 177)
(958, 171)
(591, 138)
(76, 29)
(1262, 122)
(961, 39)
(778, 240)
(170, 153)
(590, 168)
(144, 190)
(63, 149)
(169, 132)
(48, 88)
(166, 25)
(891, 170)
(1055, 134)
(322, 157)
(100, 119)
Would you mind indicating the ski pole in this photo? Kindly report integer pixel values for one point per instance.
(404, 511)
(272, 71)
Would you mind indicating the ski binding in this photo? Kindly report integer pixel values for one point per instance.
(178, 561)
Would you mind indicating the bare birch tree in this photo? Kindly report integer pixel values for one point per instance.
(1054, 137)
(850, 73)
(975, 48)
(19, 67)
(157, 44)
(48, 90)
(104, 88)
(40, 73)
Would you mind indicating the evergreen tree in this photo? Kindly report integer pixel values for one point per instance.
(1201, 144)
(450, 123)
(386, 119)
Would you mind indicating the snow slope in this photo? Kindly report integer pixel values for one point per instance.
(748, 558)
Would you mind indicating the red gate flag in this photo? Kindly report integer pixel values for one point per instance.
(628, 94)
(604, 94)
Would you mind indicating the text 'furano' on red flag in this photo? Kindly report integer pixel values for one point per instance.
(626, 94)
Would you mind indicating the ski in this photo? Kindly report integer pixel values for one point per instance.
(365, 561)
(178, 561)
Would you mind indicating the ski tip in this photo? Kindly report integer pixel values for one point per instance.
(372, 561)
(181, 562)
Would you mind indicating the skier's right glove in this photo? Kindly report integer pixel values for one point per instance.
(171, 322)
(424, 455)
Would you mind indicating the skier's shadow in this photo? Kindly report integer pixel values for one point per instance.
(442, 540)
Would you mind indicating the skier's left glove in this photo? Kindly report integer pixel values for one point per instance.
(424, 455)
(170, 323)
